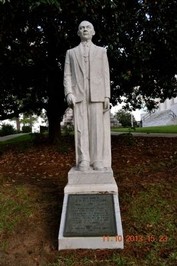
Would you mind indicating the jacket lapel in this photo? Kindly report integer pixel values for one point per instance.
(79, 57)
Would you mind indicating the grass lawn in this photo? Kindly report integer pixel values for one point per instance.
(32, 182)
(18, 139)
(29, 138)
(157, 129)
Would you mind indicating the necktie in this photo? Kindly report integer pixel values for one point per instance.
(86, 49)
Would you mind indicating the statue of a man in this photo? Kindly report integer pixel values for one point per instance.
(87, 90)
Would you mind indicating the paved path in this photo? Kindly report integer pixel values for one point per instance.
(12, 136)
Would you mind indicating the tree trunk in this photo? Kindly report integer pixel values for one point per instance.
(56, 105)
(17, 124)
(31, 121)
(55, 112)
(54, 122)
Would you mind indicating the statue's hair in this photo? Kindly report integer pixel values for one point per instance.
(87, 22)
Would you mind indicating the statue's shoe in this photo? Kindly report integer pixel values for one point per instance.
(98, 166)
(84, 166)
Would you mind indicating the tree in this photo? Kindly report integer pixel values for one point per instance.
(32, 72)
(140, 37)
(125, 118)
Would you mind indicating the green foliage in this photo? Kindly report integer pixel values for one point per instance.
(28, 119)
(7, 129)
(26, 129)
(124, 117)
(140, 37)
(68, 129)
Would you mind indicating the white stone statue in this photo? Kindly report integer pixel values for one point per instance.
(87, 90)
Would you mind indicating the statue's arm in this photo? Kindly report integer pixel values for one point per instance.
(67, 75)
(106, 80)
(68, 81)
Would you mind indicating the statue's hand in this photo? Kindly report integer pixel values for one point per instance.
(71, 100)
(106, 104)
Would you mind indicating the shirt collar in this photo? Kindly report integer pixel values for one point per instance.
(86, 43)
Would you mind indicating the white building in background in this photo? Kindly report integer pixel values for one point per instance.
(166, 114)
(168, 104)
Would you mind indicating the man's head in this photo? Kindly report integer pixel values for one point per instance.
(86, 30)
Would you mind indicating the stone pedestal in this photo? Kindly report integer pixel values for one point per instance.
(91, 215)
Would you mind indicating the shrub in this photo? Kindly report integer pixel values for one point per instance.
(68, 129)
(125, 118)
(7, 129)
(26, 129)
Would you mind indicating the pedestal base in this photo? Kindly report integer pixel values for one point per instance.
(91, 215)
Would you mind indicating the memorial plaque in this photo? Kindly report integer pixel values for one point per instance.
(90, 215)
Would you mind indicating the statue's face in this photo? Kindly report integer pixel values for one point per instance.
(85, 31)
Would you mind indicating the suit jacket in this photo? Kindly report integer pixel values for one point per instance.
(99, 79)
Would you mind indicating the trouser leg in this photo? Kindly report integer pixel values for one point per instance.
(82, 134)
(95, 114)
